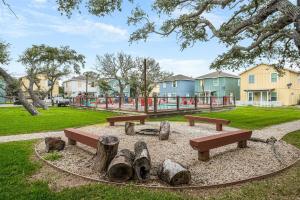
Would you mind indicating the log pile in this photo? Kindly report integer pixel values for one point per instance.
(124, 165)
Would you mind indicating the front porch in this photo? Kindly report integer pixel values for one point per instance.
(262, 97)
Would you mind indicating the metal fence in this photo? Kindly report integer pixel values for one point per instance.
(153, 104)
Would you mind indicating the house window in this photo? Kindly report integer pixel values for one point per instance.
(201, 83)
(173, 94)
(164, 85)
(251, 78)
(174, 84)
(215, 82)
(273, 96)
(274, 77)
(239, 82)
(187, 95)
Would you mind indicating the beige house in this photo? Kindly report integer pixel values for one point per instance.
(264, 86)
(43, 84)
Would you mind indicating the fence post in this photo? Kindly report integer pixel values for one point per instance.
(196, 102)
(106, 102)
(137, 103)
(146, 104)
(177, 102)
(210, 102)
(234, 104)
(155, 103)
(223, 101)
(120, 102)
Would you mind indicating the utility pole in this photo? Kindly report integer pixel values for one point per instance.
(145, 86)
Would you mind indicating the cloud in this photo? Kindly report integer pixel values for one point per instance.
(189, 67)
(31, 23)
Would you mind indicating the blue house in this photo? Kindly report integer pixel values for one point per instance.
(2, 91)
(218, 84)
(115, 89)
(178, 85)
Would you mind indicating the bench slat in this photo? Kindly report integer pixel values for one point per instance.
(207, 119)
(128, 117)
(214, 141)
(82, 137)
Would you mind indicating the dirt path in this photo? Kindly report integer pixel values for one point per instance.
(277, 131)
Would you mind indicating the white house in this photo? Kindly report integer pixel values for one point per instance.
(77, 85)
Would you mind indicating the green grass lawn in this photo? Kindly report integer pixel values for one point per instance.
(17, 120)
(249, 117)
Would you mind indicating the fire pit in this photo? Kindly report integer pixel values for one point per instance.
(148, 131)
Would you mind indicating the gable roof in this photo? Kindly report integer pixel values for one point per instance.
(251, 68)
(178, 77)
(217, 74)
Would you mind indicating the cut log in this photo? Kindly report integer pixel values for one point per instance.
(107, 149)
(164, 130)
(142, 161)
(120, 168)
(174, 173)
(54, 143)
(129, 128)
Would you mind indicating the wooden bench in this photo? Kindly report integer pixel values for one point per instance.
(219, 122)
(124, 118)
(75, 135)
(204, 144)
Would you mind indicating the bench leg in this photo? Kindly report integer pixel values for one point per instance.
(111, 123)
(192, 122)
(203, 156)
(142, 121)
(219, 127)
(242, 144)
(71, 142)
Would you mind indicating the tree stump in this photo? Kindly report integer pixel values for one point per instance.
(142, 161)
(107, 149)
(174, 173)
(129, 128)
(120, 168)
(164, 131)
(54, 143)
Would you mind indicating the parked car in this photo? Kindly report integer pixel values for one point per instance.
(60, 101)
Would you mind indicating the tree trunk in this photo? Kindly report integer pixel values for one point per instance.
(142, 161)
(297, 30)
(13, 83)
(120, 168)
(174, 173)
(107, 149)
(35, 99)
(164, 130)
(129, 128)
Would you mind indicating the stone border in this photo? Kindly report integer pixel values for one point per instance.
(166, 187)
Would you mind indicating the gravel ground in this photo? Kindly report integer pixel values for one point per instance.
(227, 164)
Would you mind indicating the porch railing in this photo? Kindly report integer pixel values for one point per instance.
(259, 103)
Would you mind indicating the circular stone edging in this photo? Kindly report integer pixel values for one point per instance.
(167, 187)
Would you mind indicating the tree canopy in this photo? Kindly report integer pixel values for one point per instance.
(255, 29)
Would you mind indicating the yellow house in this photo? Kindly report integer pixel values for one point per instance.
(264, 86)
(43, 84)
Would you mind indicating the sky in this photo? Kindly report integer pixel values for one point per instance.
(39, 22)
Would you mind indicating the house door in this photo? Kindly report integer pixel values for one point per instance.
(250, 96)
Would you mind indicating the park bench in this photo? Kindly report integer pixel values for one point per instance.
(124, 118)
(75, 135)
(219, 122)
(204, 144)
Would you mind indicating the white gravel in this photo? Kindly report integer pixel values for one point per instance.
(227, 164)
